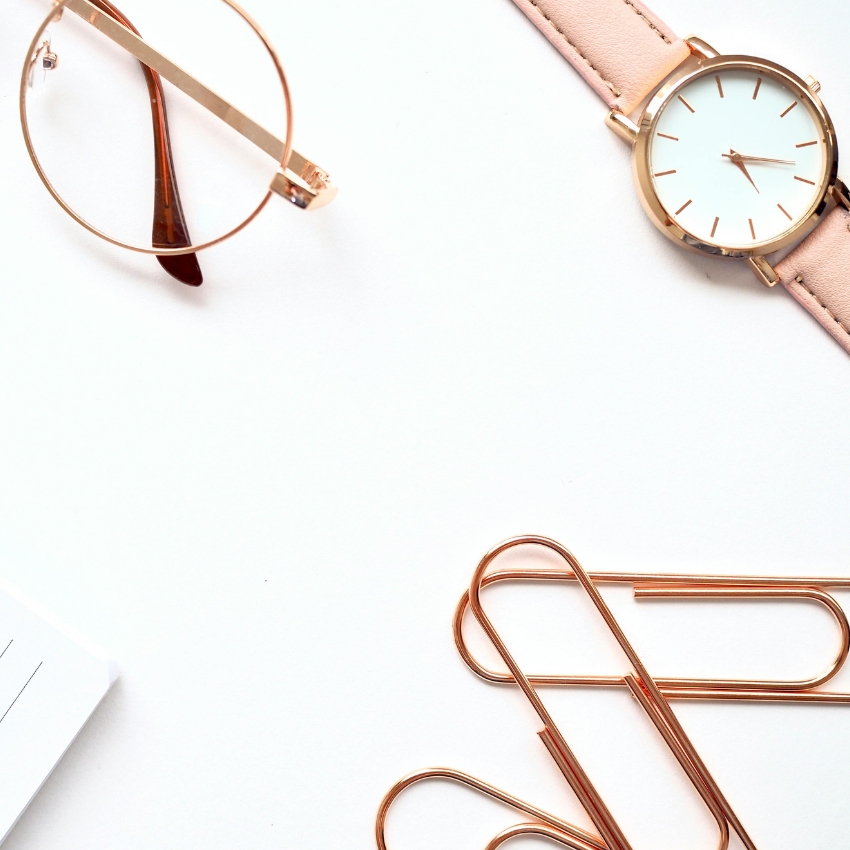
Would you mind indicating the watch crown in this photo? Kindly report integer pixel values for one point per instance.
(813, 84)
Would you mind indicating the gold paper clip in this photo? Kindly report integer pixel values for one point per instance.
(651, 694)
(689, 586)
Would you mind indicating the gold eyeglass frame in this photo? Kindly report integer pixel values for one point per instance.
(297, 179)
(642, 172)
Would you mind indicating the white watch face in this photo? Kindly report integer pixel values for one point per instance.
(737, 158)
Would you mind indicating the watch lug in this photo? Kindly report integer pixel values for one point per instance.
(841, 194)
(701, 49)
(763, 270)
(624, 127)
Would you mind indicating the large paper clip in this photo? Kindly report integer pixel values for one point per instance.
(651, 694)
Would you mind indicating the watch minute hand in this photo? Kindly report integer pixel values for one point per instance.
(738, 157)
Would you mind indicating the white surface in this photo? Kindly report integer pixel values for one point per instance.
(50, 682)
(265, 497)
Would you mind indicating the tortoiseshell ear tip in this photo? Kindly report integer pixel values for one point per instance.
(183, 267)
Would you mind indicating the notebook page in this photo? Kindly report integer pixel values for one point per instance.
(51, 681)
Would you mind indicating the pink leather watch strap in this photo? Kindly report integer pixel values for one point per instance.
(618, 46)
(817, 274)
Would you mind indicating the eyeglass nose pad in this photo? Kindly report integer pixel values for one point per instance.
(43, 61)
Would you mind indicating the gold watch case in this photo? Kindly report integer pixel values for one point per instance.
(830, 190)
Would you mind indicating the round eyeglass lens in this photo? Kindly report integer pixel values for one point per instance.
(159, 126)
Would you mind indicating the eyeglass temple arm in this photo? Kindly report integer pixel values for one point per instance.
(301, 181)
(169, 223)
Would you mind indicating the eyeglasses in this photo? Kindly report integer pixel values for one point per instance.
(91, 146)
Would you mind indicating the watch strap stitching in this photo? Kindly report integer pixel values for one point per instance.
(566, 38)
(801, 283)
(646, 20)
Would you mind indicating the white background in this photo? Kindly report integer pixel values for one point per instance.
(265, 497)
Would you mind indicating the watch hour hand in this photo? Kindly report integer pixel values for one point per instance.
(737, 159)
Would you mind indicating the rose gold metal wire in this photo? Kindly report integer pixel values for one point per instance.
(57, 9)
(643, 688)
(651, 694)
(683, 586)
(568, 835)
(536, 829)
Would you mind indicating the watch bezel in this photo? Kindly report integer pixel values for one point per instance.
(643, 176)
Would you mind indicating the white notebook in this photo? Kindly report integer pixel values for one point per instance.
(51, 681)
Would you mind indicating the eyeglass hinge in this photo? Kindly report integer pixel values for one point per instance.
(304, 184)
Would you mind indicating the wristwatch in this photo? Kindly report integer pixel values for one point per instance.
(732, 156)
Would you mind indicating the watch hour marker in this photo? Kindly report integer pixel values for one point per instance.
(702, 161)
